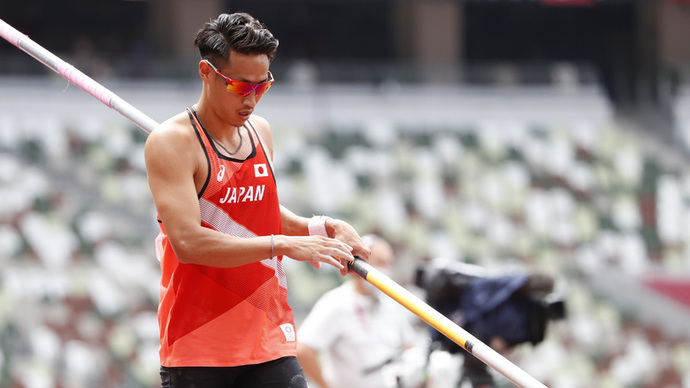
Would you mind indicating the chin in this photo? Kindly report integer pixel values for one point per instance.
(238, 122)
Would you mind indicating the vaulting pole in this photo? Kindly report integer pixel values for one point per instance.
(358, 266)
(73, 75)
(444, 325)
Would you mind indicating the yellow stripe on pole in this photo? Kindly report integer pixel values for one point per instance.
(437, 320)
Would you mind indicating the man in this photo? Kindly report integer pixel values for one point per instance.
(223, 315)
(365, 339)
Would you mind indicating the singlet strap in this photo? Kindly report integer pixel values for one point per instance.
(205, 142)
(208, 142)
(261, 144)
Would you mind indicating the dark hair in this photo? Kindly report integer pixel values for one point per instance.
(238, 32)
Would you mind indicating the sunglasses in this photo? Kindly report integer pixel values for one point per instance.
(243, 88)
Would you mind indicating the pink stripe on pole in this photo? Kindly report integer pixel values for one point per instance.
(86, 83)
(10, 33)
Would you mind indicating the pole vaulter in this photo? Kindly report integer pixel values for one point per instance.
(360, 267)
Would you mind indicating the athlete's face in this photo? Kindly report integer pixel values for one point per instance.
(235, 109)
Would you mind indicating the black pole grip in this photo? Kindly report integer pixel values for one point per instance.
(359, 266)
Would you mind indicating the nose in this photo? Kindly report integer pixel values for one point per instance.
(251, 99)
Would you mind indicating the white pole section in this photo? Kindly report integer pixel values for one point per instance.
(73, 75)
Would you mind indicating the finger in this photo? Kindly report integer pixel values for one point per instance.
(316, 264)
(335, 261)
(343, 253)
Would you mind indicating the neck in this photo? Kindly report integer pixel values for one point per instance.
(214, 124)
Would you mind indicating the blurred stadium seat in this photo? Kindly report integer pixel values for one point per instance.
(532, 177)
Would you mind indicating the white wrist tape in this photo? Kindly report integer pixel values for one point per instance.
(317, 226)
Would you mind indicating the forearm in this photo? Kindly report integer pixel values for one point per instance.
(199, 245)
(293, 225)
(216, 249)
(195, 244)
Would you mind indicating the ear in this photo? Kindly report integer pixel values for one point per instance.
(205, 71)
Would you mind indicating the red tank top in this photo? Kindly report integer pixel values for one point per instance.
(227, 316)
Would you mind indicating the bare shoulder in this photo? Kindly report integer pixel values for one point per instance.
(261, 125)
(174, 139)
(175, 132)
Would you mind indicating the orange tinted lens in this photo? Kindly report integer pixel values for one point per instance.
(240, 87)
(245, 88)
(263, 88)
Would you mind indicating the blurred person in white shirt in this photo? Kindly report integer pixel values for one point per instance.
(355, 336)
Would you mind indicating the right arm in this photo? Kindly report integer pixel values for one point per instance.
(175, 166)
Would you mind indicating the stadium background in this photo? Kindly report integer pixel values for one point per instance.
(549, 135)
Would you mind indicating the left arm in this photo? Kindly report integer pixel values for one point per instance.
(294, 225)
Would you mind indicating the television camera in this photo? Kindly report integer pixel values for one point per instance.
(513, 308)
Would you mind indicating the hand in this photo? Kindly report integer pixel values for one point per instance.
(315, 249)
(342, 231)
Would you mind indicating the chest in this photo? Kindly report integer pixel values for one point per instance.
(230, 178)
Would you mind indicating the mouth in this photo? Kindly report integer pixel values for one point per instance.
(245, 114)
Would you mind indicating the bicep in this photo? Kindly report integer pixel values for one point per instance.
(170, 170)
